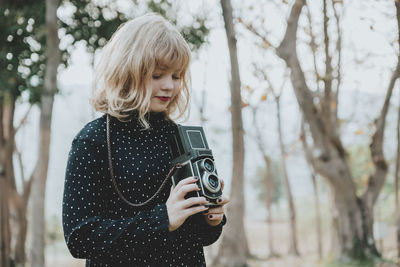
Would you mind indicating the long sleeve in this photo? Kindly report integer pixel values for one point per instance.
(206, 233)
(88, 231)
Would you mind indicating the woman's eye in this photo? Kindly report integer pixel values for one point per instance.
(156, 76)
(176, 77)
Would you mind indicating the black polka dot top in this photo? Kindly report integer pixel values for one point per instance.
(99, 226)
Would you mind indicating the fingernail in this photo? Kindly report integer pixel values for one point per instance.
(210, 216)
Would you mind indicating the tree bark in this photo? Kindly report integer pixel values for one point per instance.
(4, 216)
(293, 249)
(21, 211)
(40, 171)
(6, 174)
(18, 202)
(5, 250)
(234, 250)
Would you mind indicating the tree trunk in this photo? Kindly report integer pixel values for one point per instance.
(5, 240)
(293, 249)
(317, 215)
(10, 199)
(4, 221)
(269, 184)
(40, 171)
(315, 187)
(21, 210)
(18, 202)
(396, 188)
(20, 255)
(6, 173)
(234, 249)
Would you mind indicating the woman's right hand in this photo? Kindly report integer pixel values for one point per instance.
(179, 208)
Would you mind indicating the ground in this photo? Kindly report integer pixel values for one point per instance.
(57, 255)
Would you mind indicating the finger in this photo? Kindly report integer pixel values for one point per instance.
(215, 217)
(222, 184)
(222, 200)
(194, 210)
(185, 181)
(186, 189)
(217, 210)
(194, 201)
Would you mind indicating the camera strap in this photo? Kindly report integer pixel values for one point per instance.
(136, 205)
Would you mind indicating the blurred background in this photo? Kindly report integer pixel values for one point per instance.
(301, 107)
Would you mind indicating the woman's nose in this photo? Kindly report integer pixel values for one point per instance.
(168, 83)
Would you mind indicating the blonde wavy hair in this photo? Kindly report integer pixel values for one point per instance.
(122, 77)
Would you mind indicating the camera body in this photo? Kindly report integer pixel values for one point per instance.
(189, 147)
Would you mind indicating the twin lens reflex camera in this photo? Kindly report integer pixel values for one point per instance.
(189, 147)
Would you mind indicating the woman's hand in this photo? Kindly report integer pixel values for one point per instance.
(179, 208)
(214, 216)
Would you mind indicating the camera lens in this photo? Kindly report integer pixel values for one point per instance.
(208, 165)
(213, 181)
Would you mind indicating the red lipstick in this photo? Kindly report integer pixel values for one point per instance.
(163, 98)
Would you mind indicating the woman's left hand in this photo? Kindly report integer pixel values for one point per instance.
(215, 215)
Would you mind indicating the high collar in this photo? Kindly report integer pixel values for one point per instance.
(155, 119)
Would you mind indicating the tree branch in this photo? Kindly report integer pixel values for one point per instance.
(251, 28)
(378, 177)
(23, 120)
(326, 103)
(314, 48)
(287, 51)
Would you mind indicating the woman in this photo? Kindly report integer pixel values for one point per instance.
(140, 80)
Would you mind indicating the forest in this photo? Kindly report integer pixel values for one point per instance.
(300, 102)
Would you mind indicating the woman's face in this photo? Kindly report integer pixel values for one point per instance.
(165, 86)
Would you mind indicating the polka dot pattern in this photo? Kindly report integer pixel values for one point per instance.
(99, 226)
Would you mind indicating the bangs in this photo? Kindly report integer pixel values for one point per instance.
(170, 54)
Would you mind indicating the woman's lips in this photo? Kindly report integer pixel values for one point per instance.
(163, 98)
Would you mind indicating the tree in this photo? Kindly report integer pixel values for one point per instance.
(276, 93)
(270, 186)
(315, 188)
(330, 160)
(234, 250)
(396, 187)
(46, 110)
(21, 72)
(292, 210)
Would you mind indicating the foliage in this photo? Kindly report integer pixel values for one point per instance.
(259, 180)
(373, 262)
(22, 57)
(92, 23)
(361, 165)
(195, 34)
(54, 232)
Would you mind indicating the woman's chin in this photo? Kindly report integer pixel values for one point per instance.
(158, 109)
